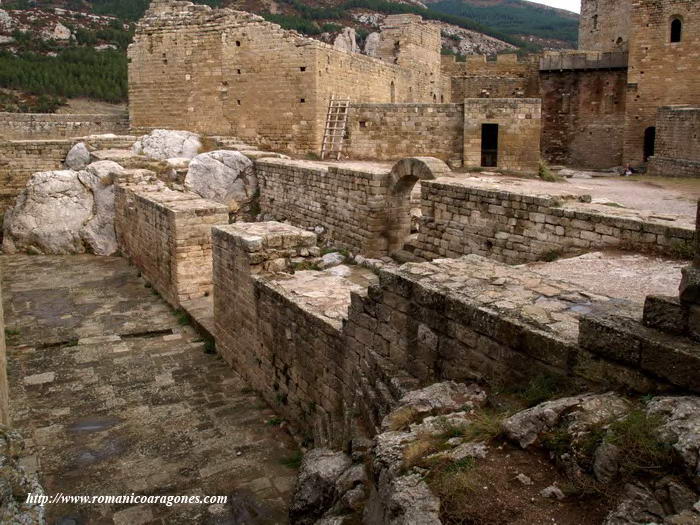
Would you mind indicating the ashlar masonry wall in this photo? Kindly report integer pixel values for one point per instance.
(366, 211)
(34, 126)
(519, 128)
(677, 142)
(462, 218)
(395, 131)
(167, 234)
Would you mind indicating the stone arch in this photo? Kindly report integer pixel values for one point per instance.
(401, 181)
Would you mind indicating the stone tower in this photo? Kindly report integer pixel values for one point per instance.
(605, 25)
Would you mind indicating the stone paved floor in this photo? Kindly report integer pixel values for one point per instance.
(114, 396)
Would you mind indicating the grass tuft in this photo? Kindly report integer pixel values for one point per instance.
(293, 461)
(182, 318)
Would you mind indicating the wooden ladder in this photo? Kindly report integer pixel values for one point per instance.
(336, 122)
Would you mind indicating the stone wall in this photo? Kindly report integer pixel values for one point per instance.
(465, 218)
(366, 211)
(478, 77)
(583, 116)
(519, 128)
(605, 25)
(290, 354)
(33, 126)
(167, 235)
(228, 72)
(677, 142)
(462, 319)
(395, 131)
(661, 73)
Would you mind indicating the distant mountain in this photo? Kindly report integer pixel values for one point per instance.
(516, 18)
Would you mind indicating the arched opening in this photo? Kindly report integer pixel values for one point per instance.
(392, 88)
(649, 142)
(403, 178)
(676, 30)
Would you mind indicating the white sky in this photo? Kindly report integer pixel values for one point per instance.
(571, 5)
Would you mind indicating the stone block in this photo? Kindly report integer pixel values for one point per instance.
(666, 314)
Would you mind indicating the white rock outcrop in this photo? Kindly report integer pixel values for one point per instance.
(226, 177)
(372, 44)
(78, 157)
(162, 144)
(346, 40)
(64, 212)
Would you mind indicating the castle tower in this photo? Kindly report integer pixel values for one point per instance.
(605, 25)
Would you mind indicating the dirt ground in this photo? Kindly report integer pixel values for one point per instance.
(87, 106)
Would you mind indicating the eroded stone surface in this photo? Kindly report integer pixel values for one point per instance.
(128, 401)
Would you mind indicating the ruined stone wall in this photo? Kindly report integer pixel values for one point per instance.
(288, 353)
(395, 131)
(461, 218)
(349, 204)
(605, 25)
(477, 77)
(21, 126)
(583, 117)
(519, 128)
(677, 142)
(661, 73)
(228, 72)
(468, 319)
(167, 235)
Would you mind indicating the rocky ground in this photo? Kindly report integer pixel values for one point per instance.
(453, 453)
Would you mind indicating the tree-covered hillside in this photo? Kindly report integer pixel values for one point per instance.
(516, 18)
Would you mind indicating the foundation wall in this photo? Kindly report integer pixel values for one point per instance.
(288, 353)
(459, 219)
(23, 126)
(395, 131)
(421, 324)
(167, 235)
(677, 142)
(350, 205)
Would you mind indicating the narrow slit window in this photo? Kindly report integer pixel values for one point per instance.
(676, 30)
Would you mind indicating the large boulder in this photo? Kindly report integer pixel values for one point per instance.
(78, 157)
(64, 212)
(226, 177)
(681, 426)
(372, 44)
(316, 490)
(162, 144)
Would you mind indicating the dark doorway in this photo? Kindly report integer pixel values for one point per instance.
(649, 143)
(489, 145)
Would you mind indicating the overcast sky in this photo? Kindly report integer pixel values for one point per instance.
(571, 5)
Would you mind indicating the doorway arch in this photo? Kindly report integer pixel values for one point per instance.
(401, 181)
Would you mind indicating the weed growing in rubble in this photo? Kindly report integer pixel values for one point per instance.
(551, 255)
(644, 452)
(182, 318)
(682, 250)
